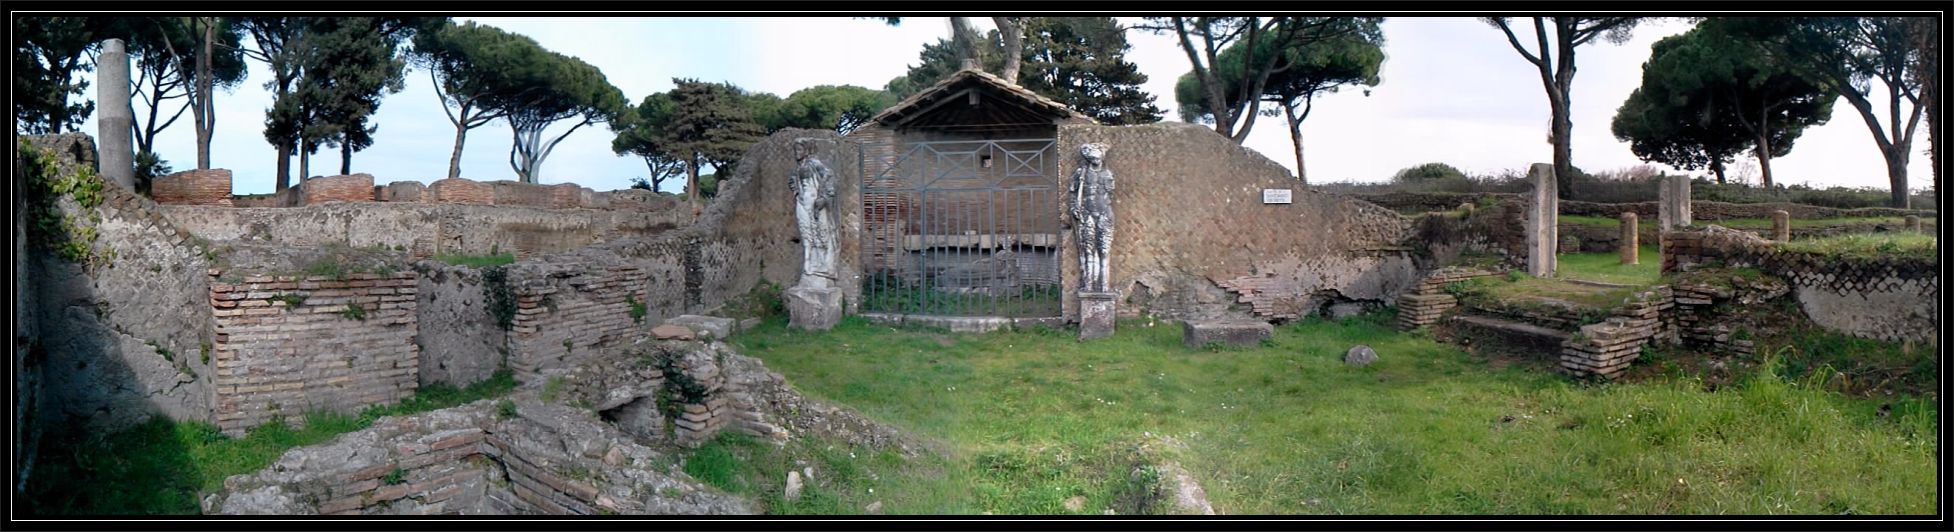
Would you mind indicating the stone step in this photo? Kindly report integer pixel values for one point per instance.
(1513, 327)
(1598, 284)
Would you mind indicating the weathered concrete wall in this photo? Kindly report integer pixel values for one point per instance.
(424, 229)
(1189, 218)
(123, 334)
(461, 343)
(1889, 298)
(277, 356)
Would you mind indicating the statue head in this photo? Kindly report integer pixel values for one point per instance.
(804, 148)
(1093, 153)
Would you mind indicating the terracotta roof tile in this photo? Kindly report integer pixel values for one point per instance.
(1031, 99)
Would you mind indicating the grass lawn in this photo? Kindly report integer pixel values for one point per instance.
(478, 261)
(1608, 268)
(1033, 418)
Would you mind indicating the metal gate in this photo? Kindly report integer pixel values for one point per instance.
(962, 228)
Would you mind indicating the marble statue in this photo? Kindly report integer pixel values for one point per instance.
(1089, 198)
(813, 184)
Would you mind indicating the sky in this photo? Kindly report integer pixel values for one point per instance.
(1453, 91)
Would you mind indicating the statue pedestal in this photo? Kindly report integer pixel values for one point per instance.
(1096, 314)
(813, 309)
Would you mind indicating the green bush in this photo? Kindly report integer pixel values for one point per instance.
(1428, 171)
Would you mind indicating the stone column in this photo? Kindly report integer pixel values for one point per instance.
(1631, 249)
(1672, 208)
(113, 127)
(1543, 222)
(1913, 223)
(1781, 225)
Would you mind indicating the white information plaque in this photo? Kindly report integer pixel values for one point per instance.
(1275, 195)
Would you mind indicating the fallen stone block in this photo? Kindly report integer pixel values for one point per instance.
(1238, 333)
(704, 326)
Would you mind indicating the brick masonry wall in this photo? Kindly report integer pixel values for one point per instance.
(344, 188)
(427, 229)
(1605, 349)
(1887, 298)
(458, 190)
(274, 358)
(195, 187)
(1426, 302)
(1174, 243)
(561, 321)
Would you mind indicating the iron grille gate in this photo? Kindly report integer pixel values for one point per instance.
(962, 228)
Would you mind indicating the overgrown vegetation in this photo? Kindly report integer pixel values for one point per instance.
(161, 467)
(478, 261)
(1876, 245)
(637, 308)
(1635, 184)
(42, 187)
(354, 311)
(1288, 428)
(501, 297)
(764, 302)
(291, 300)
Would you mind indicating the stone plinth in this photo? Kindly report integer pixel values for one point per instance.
(1781, 226)
(1631, 248)
(1913, 223)
(813, 309)
(1543, 222)
(1096, 314)
(1236, 333)
(1672, 203)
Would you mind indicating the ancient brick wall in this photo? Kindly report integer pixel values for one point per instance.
(1886, 298)
(564, 319)
(460, 339)
(427, 229)
(286, 345)
(1175, 242)
(195, 187)
(458, 190)
(342, 188)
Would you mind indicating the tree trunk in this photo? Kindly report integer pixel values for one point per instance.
(1296, 138)
(284, 165)
(454, 159)
(345, 158)
(1013, 36)
(1896, 171)
(1563, 148)
(1763, 149)
(692, 181)
(1717, 166)
(305, 162)
(205, 115)
(965, 37)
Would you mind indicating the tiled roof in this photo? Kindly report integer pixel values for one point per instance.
(941, 88)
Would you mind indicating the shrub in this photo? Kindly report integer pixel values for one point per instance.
(1428, 171)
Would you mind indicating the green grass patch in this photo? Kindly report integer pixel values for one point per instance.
(162, 467)
(478, 261)
(1032, 419)
(1607, 267)
(1910, 245)
(1539, 290)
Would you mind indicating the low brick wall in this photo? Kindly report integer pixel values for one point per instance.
(561, 320)
(347, 188)
(1606, 349)
(458, 190)
(274, 358)
(195, 187)
(1426, 302)
(1885, 298)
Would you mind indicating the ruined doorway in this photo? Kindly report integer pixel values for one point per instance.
(963, 228)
